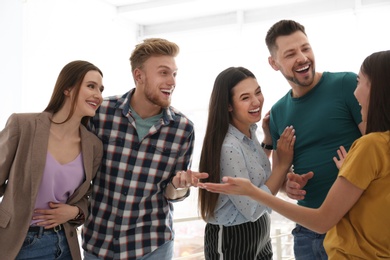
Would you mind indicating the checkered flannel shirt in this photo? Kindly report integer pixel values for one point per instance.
(130, 216)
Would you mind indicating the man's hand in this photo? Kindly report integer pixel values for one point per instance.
(295, 183)
(186, 179)
(181, 182)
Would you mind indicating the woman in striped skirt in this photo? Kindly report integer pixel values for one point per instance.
(238, 227)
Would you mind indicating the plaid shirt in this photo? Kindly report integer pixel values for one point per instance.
(130, 216)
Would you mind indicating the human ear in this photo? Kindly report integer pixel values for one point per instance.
(67, 92)
(272, 62)
(137, 74)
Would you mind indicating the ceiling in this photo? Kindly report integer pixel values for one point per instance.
(146, 12)
(174, 15)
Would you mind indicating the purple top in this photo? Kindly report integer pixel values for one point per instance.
(59, 181)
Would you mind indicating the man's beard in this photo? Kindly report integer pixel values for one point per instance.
(306, 83)
(154, 98)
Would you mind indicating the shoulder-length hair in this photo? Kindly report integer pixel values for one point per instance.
(217, 127)
(377, 69)
(70, 77)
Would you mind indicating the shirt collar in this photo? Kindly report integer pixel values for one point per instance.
(124, 104)
(237, 133)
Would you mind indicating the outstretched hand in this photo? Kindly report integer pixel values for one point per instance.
(186, 179)
(295, 184)
(342, 153)
(235, 186)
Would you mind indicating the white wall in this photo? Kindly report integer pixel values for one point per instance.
(11, 57)
(41, 36)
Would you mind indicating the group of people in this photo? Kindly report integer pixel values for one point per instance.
(116, 165)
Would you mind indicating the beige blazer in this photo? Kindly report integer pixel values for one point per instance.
(23, 149)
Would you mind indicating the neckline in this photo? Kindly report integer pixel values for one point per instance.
(64, 164)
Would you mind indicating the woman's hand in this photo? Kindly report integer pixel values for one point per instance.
(265, 125)
(285, 147)
(58, 213)
(342, 153)
(235, 186)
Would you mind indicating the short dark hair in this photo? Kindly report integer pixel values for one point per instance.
(281, 28)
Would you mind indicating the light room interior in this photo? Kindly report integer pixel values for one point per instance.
(38, 37)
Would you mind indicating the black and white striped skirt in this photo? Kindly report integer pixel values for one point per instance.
(248, 241)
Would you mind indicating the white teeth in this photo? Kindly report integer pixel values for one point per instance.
(304, 68)
(254, 110)
(92, 103)
(167, 91)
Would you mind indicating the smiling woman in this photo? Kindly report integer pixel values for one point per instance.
(231, 148)
(53, 153)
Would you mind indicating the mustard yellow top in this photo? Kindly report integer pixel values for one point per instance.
(364, 232)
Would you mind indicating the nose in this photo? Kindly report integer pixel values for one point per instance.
(172, 81)
(301, 57)
(256, 101)
(98, 95)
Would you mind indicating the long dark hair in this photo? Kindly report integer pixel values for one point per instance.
(377, 69)
(217, 127)
(70, 77)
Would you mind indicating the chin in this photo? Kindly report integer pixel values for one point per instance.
(164, 104)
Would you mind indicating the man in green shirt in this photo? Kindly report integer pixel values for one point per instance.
(325, 115)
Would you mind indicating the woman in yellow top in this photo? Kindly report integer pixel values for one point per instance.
(356, 209)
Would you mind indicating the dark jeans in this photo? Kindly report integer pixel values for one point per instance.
(308, 245)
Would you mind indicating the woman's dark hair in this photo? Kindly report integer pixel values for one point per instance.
(217, 127)
(70, 77)
(377, 69)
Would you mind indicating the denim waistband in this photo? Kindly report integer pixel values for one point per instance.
(39, 229)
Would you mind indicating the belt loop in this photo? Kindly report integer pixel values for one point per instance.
(40, 232)
(57, 228)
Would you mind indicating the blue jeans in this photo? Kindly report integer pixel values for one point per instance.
(45, 245)
(164, 252)
(308, 245)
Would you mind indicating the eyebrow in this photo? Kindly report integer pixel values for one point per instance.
(91, 81)
(293, 49)
(247, 93)
(166, 67)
